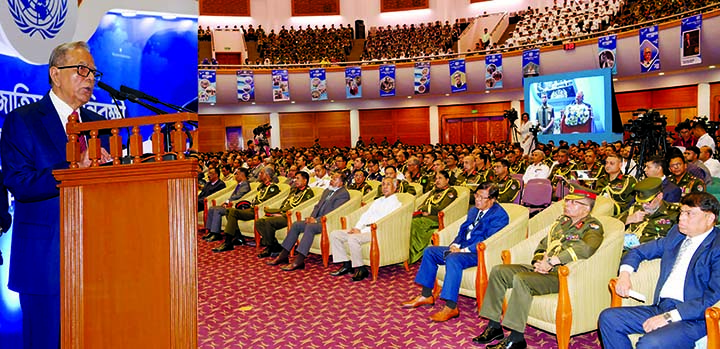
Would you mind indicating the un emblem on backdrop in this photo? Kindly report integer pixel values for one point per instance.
(41, 17)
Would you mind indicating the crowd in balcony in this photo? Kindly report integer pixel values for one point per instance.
(641, 11)
(409, 41)
(304, 45)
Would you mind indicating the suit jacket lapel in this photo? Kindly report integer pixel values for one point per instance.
(52, 124)
(701, 249)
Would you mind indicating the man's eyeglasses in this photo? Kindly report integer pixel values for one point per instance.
(84, 71)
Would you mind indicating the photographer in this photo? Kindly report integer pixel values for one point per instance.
(262, 133)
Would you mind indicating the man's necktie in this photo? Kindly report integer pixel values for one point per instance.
(81, 138)
(683, 249)
(475, 223)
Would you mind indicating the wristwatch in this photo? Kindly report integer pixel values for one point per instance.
(667, 317)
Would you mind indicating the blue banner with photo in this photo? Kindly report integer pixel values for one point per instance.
(458, 78)
(422, 78)
(607, 52)
(245, 85)
(353, 82)
(531, 63)
(318, 84)
(649, 49)
(280, 85)
(206, 86)
(493, 72)
(690, 30)
(387, 80)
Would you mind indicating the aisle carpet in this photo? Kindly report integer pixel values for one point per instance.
(244, 303)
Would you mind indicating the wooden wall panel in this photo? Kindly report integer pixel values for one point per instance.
(410, 125)
(714, 101)
(240, 8)
(301, 129)
(666, 98)
(486, 123)
(315, 7)
(212, 129)
(403, 5)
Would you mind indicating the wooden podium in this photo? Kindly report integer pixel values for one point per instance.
(128, 242)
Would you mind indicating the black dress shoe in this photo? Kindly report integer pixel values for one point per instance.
(238, 242)
(360, 274)
(224, 247)
(209, 235)
(293, 266)
(508, 344)
(278, 261)
(342, 271)
(214, 237)
(489, 335)
(265, 253)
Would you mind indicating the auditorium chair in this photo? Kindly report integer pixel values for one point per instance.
(330, 222)
(519, 195)
(644, 281)
(543, 221)
(536, 194)
(300, 212)
(418, 190)
(370, 196)
(475, 279)
(390, 242)
(582, 293)
(221, 196)
(247, 228)
(454, 211)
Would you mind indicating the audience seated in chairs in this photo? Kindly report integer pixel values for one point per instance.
(425, 218)
(486, 218)
(411, 41)
(213, 185)
(215, 213)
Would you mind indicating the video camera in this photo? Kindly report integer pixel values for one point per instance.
(711, 127)
(649, 124)
(511, 115)
(262, 129)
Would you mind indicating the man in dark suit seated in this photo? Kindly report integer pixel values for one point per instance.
(654, 167)
(333, 197)
(214, 184)
(216, 213)
(689, 282)
(32, 146)
(484, 219)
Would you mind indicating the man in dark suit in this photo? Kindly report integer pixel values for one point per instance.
(333, 197)
(32, 146)
(213, 185)
(216, 213)
(484, 219)
(654, 167)
(690, 256)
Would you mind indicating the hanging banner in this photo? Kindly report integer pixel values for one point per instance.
(690, 37)
(607, 51)
(280, 85)
(206, 86)
(531, 63)
(649, 49)
(318, 84)
(493, 72)
(245, 85)
(458, 78)
(422, 78)
(387, 80)
(353, 82)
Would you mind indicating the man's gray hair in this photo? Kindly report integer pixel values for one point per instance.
(59, 54)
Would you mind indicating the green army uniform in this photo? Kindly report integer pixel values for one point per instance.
(414, 178)
(569, 242)
(422, 227)
(473, 177)
(688, 183)
(656, 225)
(549, 162)
(427, 181)
(266, 226)
(403, 187)
(563, 170)
(265, 192)
(518, 167)
(619, 189)
(509, 188)
(364, 188)
(596, 170)
(455, 173)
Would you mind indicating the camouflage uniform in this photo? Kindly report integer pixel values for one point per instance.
(423, 227)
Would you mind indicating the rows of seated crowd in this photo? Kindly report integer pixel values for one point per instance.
(410, 41)
(305, 45)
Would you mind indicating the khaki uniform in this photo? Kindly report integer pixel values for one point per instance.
(655, 225)
(364, 188)
(403, 187)
(568, 241)
(619, 189)
(427, 181)
(266, 226)
(688, 183)
(509, 189)
(561, 170)
(422, 227)
(473, 177)
(234, 215)
(518, 167)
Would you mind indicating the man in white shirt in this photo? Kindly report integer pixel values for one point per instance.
(360, 234)
(713, 165)
(703, 138)
(322, 179)
(538, 169)
(689, 282)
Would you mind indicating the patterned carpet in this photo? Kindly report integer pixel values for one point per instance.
(247, 304)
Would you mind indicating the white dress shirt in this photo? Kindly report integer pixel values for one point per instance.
(714, 166)
(323, 183)
(705, 140)
(536, 171)
(379, 208)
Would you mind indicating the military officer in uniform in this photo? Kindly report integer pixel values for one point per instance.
(403, 186)
(682, 178)
(275, 217)
(265, 191)
(516, 161)
(413, 172)
(425, 218)
(575, 235)
(593, 167)
(359, 183)
(469, 174)
(508, 187)
(651, 217)
(616, 185)
(562, 169)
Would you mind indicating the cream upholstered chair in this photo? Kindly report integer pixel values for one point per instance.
(370, 196)
(583, 291)
(454, 211)
(221, 196)
(247, 228)
(541, 222)
(418, 191)
(475, 279)
(247, 197)
(330, 222)
(603, 207)
(299, 212)
(390, 242)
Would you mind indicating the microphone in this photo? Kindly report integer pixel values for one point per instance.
(121, 96)
(145, 96)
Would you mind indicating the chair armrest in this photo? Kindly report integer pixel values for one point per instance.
(615, 299)
(712, 320)
(374, 251)
(481, 276)
(435, 239)
(563, 312)
(324, 242)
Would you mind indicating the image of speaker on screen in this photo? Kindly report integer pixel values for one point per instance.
(545, 116)
(577, 116)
